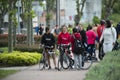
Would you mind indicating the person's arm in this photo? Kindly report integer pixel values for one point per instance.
(101, 38)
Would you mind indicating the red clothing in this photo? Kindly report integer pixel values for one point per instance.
(77, 36)
(91, 37)
(64, 38)
(100, 30)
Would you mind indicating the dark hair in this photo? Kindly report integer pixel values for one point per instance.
(102, 22)
(63, 26)
(77, 24)
(108, 24)
(89, 27)
(47, 29)
(74, 30)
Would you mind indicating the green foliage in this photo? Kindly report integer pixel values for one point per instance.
(96, 20)
(20, 39)
(4, 73)
(107, 69)
(25, 48)
(19, 59)
(115, 18)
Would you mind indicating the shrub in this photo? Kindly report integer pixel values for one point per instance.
(107, 69)
(25, 48)
(96, 20)
(3, 40)
(20, 39)
(19, 59)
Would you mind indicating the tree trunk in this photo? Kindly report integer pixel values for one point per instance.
(10, 35)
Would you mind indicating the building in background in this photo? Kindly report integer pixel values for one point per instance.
(67, 12)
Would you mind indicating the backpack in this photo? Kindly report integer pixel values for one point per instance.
(78, 46)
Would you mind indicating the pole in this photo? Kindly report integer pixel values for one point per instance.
(58, 12)
(19, 16)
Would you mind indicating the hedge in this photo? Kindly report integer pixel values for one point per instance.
(20, 39)
(25, 48)
(107, 69)
(19, 59)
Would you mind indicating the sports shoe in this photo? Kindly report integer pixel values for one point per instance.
(56, 68)
(49, 68)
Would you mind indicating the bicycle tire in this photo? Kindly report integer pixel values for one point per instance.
(86, 61)
(41, 64)
(65, 63)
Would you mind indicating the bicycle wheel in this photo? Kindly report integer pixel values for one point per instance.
(42, 64)
(66, 62)
(58, 64)
(86, 61)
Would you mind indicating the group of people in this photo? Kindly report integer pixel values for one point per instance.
(103, 35)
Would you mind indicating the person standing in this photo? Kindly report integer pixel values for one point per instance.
(56, 31)
(109, 37)
(100, 29)
(41, 29)
(64, 38)
(91, 37)
(76, 35)
(48, 40)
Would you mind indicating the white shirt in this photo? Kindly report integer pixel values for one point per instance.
(109, 35)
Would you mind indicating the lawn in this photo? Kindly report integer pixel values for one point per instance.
(4, 73)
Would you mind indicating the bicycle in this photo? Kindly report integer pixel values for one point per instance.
(84, 60)
(68, 62)
(43, 61)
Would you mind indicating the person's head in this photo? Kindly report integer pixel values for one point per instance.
(47, 29)
(89, 27)
(64, 29)
(77, 24)
(108, 24)
(69, 25)
(102, 22)
(74, 30)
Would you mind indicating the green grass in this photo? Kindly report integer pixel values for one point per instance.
(4, 73)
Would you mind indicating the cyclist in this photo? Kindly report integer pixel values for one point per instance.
(63, 38)
(48, 40)
(75, 35)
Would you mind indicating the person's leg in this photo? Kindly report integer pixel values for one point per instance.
(48, 58)
(54, 60)
(61, 57)
(75, 61)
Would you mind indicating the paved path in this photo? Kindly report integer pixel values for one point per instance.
(33, 73)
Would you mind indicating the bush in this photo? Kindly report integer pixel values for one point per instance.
(3, 40)
(96, 20)
(107, 69)
(19, 59)
(20, 39)
(25, 48)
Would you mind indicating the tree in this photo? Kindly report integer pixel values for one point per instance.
(11, 13)
(4, 7)
(50, 5)
(79, 10)
(108, 6)
(26, 16)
